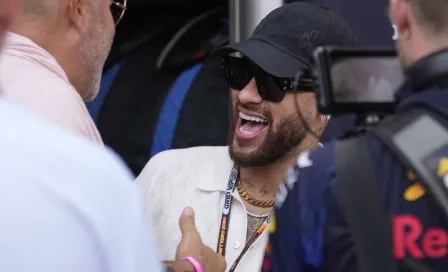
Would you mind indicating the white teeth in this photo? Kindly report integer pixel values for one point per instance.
(252, 118)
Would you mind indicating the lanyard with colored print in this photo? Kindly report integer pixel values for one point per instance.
(225, 220)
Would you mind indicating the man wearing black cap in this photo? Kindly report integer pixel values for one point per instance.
(266, 135)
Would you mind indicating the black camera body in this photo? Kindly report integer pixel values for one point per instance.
(356, 81)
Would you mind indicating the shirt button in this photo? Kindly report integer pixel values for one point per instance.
(236, 244)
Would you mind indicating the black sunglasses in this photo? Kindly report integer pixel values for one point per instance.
(238, 72)
(118, 8)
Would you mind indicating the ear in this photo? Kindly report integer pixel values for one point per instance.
(399, 13)
(78, 11)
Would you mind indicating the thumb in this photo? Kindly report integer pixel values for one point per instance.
(186, 221)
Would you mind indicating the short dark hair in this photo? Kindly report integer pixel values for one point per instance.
(432, 14)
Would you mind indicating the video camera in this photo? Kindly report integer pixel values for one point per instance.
(357, 81)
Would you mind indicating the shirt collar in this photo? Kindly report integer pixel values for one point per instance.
(214, 175)
(23, 47)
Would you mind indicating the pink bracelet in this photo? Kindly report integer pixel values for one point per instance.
(196, 265)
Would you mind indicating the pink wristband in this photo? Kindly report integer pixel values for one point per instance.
(196, 265)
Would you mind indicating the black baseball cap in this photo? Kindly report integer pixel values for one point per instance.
(284, 41)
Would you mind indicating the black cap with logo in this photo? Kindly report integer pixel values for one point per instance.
(284, 41)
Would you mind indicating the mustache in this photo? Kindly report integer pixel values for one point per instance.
(252, 108)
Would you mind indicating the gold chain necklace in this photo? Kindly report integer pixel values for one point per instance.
(251, 200)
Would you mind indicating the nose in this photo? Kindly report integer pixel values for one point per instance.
(250, 94)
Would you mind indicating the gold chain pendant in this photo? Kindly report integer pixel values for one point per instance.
(251, 200)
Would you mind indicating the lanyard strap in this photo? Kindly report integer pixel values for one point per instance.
(252, 240)
(225, 220)
(225, 217)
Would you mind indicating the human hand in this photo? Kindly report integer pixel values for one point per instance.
(192, 246)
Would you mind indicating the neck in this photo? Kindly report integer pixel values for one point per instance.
(426, 45)
(38, 31)
(263, 182)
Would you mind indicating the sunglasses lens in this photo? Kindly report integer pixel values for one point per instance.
(268, 87)
(117, 10)
(237, 71)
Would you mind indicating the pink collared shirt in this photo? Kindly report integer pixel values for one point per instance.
(30, 76)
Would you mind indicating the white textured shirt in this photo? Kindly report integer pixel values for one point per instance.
(197, 177)
(66, 205)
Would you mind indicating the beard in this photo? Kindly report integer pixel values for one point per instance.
(94, 49)
(280, 141)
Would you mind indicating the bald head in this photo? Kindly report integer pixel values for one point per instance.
(49, 9)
